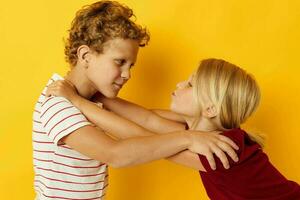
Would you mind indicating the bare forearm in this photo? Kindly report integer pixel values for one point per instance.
(109, 121)
(141, 116)
(187, 159)
(103, 119)
(167, 114)
(145, 149)
(95, 144)
(128, 110)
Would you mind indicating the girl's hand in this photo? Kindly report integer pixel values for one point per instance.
(62, 88)
(209, 143)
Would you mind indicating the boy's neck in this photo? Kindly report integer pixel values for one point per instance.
(78, 78)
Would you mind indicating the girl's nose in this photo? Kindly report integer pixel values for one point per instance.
(181, 84)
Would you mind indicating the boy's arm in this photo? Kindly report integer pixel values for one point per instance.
(64, 123)
(123, 128)
(116, 125)
(93, 143)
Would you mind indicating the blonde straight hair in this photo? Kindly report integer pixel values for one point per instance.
(232, 90)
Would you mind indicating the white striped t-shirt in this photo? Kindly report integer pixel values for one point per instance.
(60, 171)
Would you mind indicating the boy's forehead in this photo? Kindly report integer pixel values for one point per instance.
(120, 46)
(110, 45)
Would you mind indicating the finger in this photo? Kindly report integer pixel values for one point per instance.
(55, 82)
(210, 158)
(51, 86)
(221, 155)
(69, 82)
(229, 150)
(229, 141)
(59, 83)
(50, 92)
(50, 89)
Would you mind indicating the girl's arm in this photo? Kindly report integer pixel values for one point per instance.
(140, 115)
(151, 120)
(167, 114)
(123, 128)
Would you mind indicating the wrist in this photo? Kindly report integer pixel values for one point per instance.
(190, 138)
(187, 138)
(76, 99)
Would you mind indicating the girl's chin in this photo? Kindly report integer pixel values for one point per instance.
(174, 109)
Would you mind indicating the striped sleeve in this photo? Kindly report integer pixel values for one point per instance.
(60, 117)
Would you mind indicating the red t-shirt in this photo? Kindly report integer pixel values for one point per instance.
(252, 177)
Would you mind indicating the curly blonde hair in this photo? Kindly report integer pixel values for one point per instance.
(99, 22)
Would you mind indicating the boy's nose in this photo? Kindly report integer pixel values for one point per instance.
(126, 74)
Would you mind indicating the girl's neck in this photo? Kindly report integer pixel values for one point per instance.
(203, 124)
(83, 85)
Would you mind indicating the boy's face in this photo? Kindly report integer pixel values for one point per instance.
(110, 70)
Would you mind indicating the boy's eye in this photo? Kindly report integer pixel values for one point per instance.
(119, 61)
(190, 84)
(131, 65)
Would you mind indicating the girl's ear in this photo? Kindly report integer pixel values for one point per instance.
(210, 111)
(83, 53)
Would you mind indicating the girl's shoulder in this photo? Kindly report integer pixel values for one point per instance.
(247, 147)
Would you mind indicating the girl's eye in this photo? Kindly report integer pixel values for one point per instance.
(189, 84)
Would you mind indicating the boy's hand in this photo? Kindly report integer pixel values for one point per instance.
(209, 143)
(62, 88)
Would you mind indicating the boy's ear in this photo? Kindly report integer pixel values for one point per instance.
(210, 111)
(83, 52)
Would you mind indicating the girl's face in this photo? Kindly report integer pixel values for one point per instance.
(110, 70)
(182, 98)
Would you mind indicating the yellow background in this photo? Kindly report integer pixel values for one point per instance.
(260, 36)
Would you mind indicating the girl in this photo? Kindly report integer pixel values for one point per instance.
(218, 97)
(70, 153)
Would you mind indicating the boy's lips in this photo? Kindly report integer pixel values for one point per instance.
(118, 85)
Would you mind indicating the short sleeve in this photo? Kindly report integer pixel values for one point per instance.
(60, 117)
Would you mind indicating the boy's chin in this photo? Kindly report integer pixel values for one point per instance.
(111, 94)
